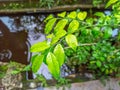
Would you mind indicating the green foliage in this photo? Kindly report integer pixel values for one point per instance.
(36, 62)
(59, 53)
(85, 41)
(60, 25)
(73, 26)
(48, 3)
(41, 46)
(104, 59)
(49, 25)
(14, 68)
(42, 79)
(71, 41)
(82, 15)
(110, 3)
(53, 65)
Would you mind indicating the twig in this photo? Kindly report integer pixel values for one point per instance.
(86, 44)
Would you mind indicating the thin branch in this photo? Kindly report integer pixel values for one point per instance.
(86, 44)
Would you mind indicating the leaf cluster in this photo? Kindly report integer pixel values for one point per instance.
(86, 41)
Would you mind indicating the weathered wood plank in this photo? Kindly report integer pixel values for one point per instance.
(51, 10)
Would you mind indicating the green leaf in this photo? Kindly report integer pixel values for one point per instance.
(99, 14)
(89, 21)
(26, 68)
(96, 31)
(58, 35)
(49, 25)
(107, 32)
(36, 63)
(110, 2)
(99, 64)
(33, 57)
(82, 15)
(62, 14)
(53, 65)
(40, 46)
(85, 32)
(49, 17)
(15, 72)
(72, 41)
(59, 53)
(60, 25)
(72, 15)
(73, 26)
(50, 36)
(54, 40)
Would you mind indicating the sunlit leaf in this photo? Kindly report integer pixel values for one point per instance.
(50, 25)
(50, 36)
(54, 40)
(71, 41)
(89, 21)
(60, 25)
(61, 14)
(110, 2)
(40, 46)
(49, 17)
(72, 15)
(59, 53)
(82, 15)
(53, 65)
(99, 14)
(73, 26)
(59, 34)
(36, 63)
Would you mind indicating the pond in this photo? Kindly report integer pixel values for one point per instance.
(17, 34)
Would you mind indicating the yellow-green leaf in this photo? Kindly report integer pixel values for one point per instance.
(110, 2)
(82, 15)
(62, 14)
(53, 65)
(54, 40)
(71, 41)
(49, 25)
(59, 53)
(40, 46)
(36, 62)
(73, 26)
(72, 15)
(60, 25)
(50, 36)
(59, 34)
(49, 17)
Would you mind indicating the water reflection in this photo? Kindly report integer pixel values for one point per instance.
(17, 34)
